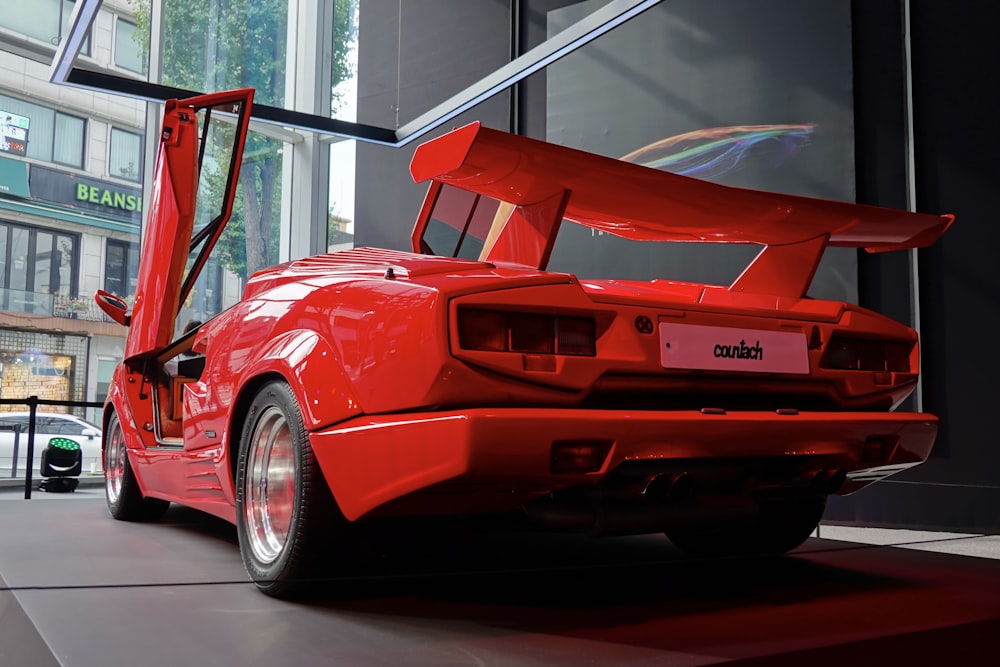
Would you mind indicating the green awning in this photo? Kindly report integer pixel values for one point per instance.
(14, 178)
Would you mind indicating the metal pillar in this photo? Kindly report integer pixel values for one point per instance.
(306, 164)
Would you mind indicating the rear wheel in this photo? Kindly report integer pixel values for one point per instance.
(125, 500)
(284, 511)
(781, 525)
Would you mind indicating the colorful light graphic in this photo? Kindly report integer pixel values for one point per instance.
(715, 151)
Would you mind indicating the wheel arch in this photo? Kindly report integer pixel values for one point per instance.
(127, 424)
(124, 490)
(117, 403)
(237, 416)
(311, 368)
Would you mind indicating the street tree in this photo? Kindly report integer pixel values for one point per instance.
(227, 44)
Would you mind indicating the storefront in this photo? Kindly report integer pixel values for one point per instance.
(63, 235)
(49, 365)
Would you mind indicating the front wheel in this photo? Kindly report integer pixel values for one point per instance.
(121, 490)
(284, 511)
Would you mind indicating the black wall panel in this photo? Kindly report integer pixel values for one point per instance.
(954, 56)
(411, 57)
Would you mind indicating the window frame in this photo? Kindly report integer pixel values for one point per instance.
(83, 139)
(130, 258)
(143, 67)
(112, 130)
(7, 228)
(33, 131)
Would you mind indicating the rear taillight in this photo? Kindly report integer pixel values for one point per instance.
(483, 330)
(529, 333)
(865, 354)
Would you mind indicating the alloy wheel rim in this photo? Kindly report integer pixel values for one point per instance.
(114, 462)
(269, 485)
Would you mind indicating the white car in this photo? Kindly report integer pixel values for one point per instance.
(47, 425)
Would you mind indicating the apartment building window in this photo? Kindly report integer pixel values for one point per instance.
(44, 20)
(125, 155)
(54, 136)
(128, 54)
(121, 267)
(37, 260)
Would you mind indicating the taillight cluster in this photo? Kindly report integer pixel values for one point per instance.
(864, 354)
(530, 333)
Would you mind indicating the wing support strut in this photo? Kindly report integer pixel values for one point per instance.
(783, 270)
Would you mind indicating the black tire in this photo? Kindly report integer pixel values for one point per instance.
(285, 515)
(121, 491)
(781, 525)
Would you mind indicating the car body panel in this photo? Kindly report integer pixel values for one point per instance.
(412, 404)
(500, 459)
(173, 197)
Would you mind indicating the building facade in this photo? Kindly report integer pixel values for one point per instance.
(71, 201)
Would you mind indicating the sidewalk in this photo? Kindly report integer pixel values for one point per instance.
(959, 544)
(9, 486)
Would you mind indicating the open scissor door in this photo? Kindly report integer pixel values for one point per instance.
(197, 169)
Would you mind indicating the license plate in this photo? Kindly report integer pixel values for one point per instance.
(697, 347)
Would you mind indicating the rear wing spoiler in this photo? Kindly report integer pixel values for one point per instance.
(645, 204)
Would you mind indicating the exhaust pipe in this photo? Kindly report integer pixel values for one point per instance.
(673, 488)
(662, 502)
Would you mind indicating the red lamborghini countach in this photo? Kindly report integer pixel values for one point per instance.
(465, 378)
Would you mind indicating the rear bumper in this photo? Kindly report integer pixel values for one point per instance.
(507, 453)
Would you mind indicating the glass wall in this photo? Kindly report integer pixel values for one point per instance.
(753, 95)
(216, 46)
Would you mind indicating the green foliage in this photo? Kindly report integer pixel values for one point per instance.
(226, 44)
(345, 34)
(221, 45)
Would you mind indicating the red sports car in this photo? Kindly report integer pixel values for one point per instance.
(465, 378)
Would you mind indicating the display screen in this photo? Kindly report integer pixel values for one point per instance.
(13, 133)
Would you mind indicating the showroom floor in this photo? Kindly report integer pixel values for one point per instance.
(963, 544)
(78, 589)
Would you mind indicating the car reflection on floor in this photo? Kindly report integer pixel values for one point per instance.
(464, 593)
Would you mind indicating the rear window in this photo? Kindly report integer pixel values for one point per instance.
(459, 224)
